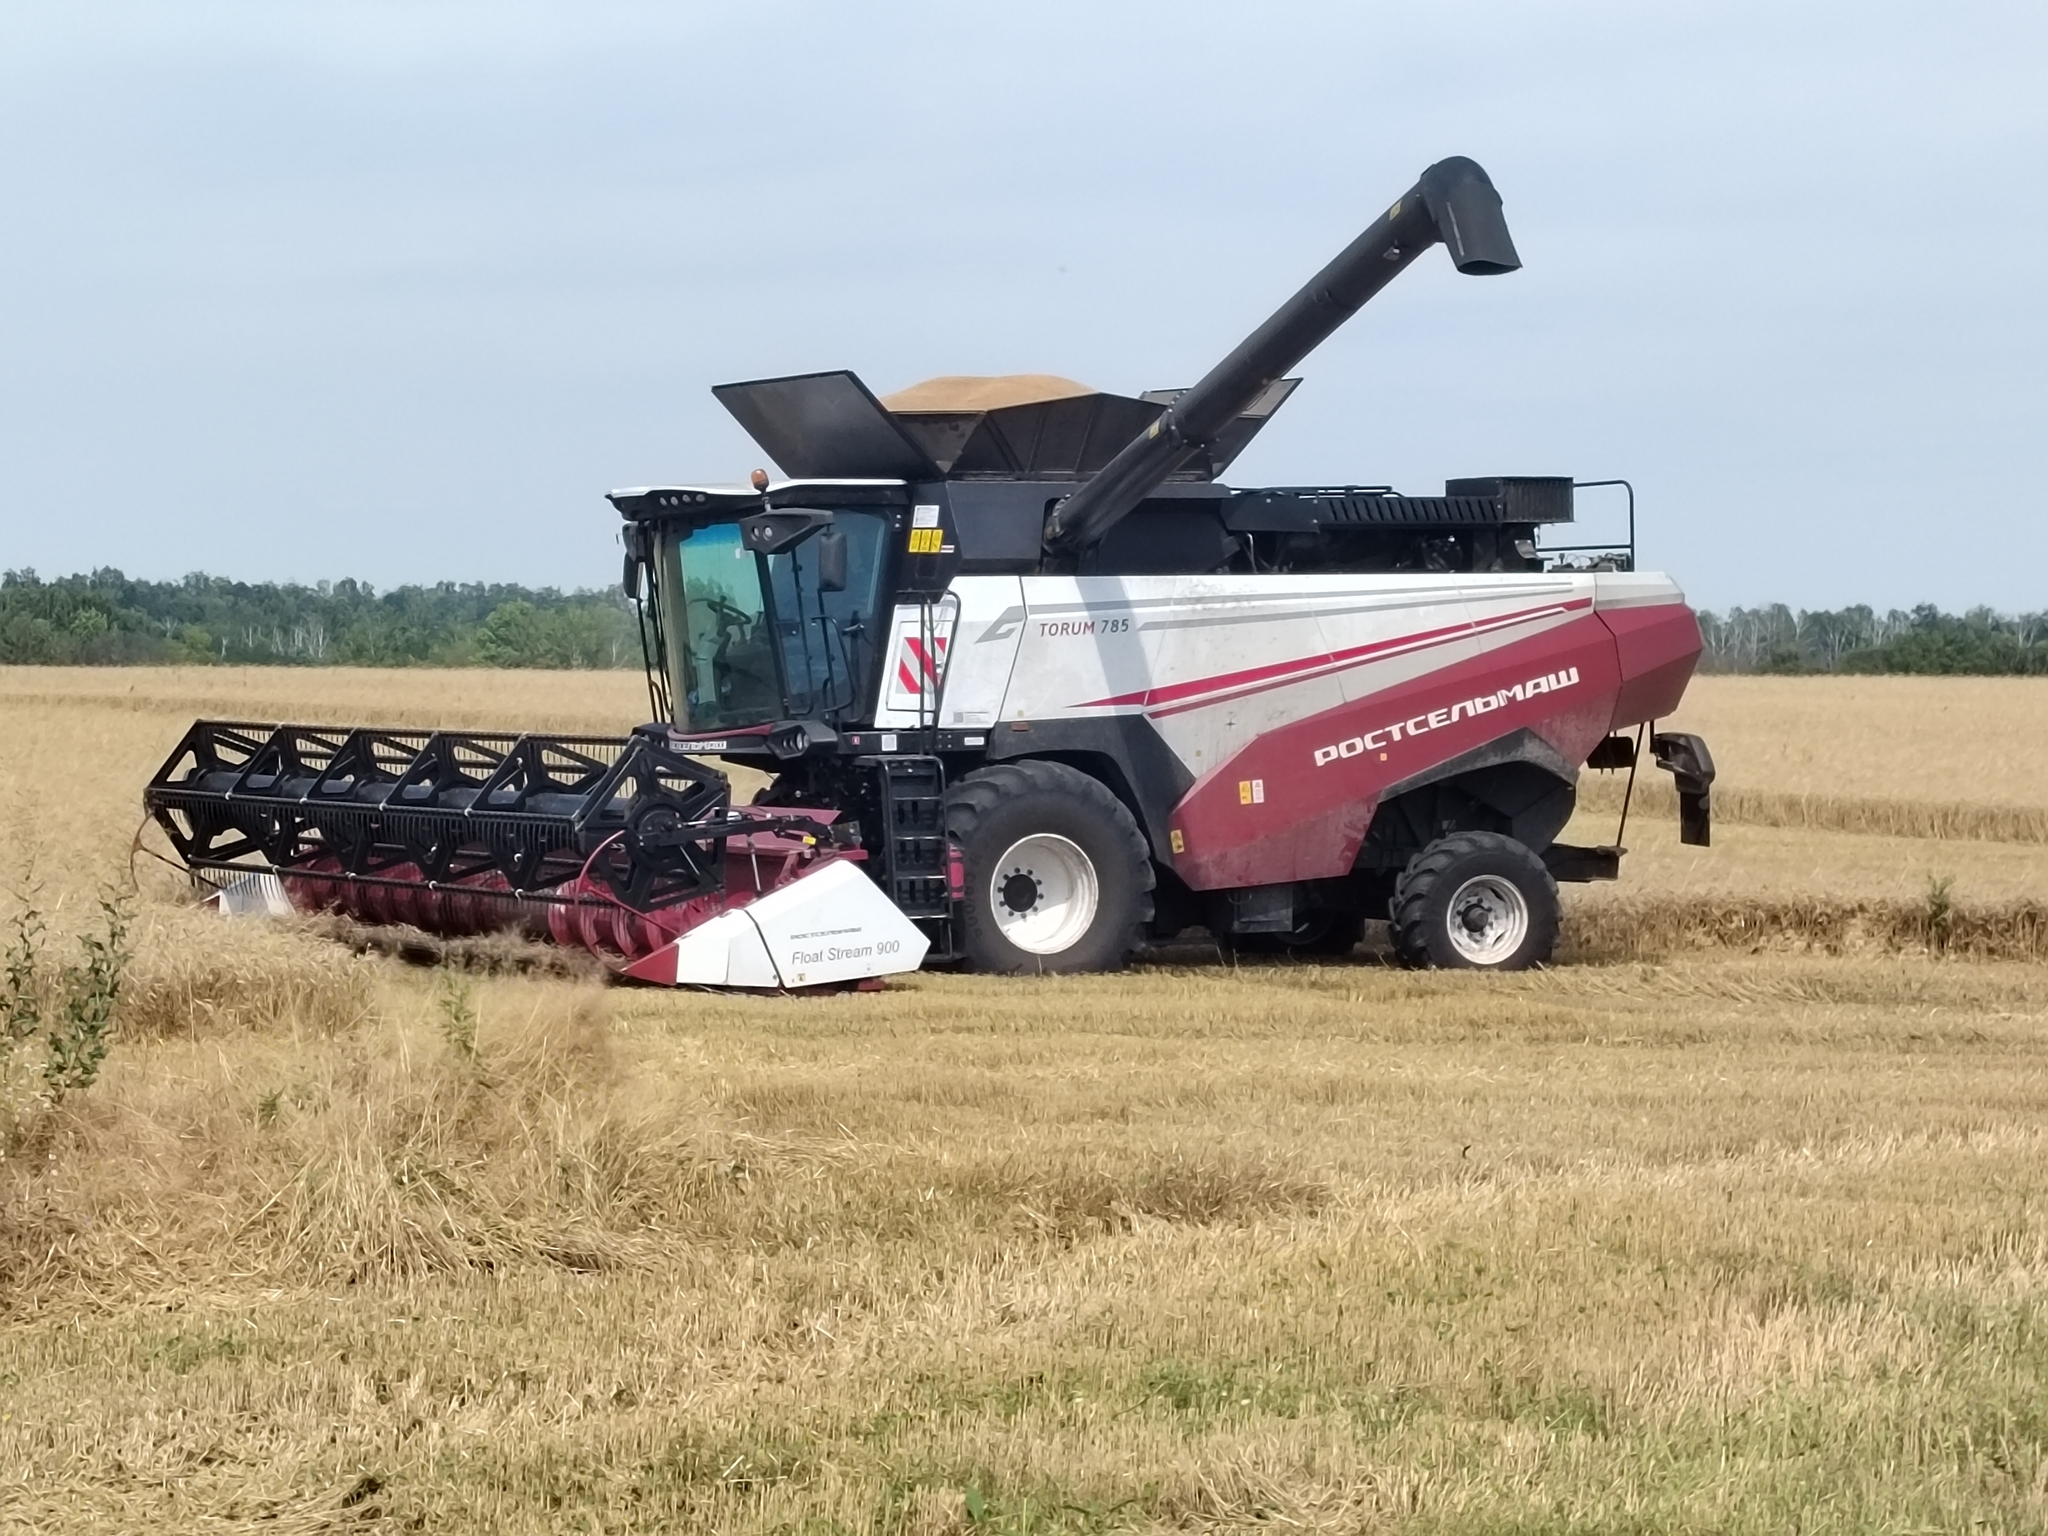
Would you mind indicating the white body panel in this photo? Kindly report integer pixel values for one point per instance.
(728, 951)
(1215, 661)
(920, 639)
(981, 620)
(831, 926)
(1633, 589)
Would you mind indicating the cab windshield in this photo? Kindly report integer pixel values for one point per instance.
(751, 637)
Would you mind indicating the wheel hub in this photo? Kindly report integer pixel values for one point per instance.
(1044, 894)
(1489, 919)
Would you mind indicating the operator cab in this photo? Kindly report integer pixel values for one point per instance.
(761, 606)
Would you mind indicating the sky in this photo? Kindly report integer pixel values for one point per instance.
(398, 291)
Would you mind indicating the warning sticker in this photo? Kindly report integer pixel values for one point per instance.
(1251, 791)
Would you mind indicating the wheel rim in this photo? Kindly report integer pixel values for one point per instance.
(1044, 894)
(1488, 919)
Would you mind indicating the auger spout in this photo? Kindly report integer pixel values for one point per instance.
(1454, 202)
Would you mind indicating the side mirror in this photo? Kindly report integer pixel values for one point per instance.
(832, 560)
(639, 541)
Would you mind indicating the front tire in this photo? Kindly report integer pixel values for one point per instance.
(1475, 901)
(1059, 879)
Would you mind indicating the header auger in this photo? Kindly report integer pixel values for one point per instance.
(1034, 686)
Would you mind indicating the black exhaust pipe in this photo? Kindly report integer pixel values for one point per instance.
(1453, 202)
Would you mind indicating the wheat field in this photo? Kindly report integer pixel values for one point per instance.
(1737, 1220)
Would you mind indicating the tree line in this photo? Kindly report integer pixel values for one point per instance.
(1919, 640)
(109, 618)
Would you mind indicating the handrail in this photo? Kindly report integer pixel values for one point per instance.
(1603, 549)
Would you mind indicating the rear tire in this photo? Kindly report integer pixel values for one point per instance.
(1475, 901)
(1059, 879)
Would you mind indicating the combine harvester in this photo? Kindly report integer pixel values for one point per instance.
(1034, 686)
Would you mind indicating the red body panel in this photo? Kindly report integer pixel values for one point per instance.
(1295, 804)
(1659, 646)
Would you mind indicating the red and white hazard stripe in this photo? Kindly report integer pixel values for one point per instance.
(918, 664)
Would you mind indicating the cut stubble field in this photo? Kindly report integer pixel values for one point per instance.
(1733, 1221)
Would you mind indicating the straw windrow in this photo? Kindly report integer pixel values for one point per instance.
(1744, 806)
(1632, 928)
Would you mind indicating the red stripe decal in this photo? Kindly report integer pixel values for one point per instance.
(1272, 674)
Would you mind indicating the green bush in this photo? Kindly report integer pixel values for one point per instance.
(55, 1025)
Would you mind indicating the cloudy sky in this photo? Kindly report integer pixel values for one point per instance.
(397, 291)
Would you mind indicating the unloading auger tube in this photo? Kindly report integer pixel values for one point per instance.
(1453, 202)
